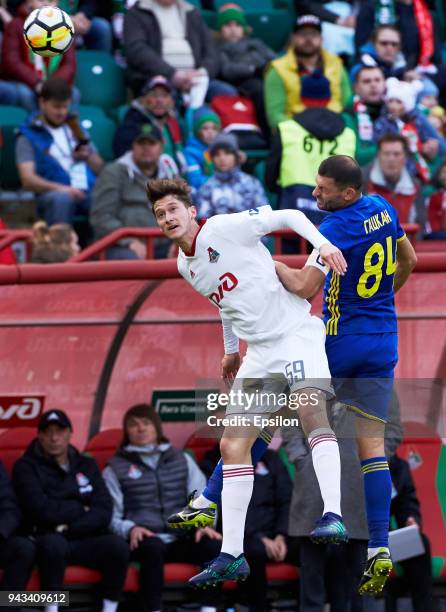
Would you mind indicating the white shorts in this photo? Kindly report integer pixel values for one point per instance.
(295, 362)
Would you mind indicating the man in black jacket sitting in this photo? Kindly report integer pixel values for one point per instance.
(68, 509)
(16, 553)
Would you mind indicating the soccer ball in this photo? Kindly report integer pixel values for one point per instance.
(48, 31)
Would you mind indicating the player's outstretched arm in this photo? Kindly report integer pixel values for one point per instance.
(305, 283)
(406, 260)
(299, 223)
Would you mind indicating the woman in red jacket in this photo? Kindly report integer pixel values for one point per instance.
(437, 206)
(22, 71)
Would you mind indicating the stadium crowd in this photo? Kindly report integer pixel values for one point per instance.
(216, 100)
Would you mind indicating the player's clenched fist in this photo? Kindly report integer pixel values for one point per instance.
(333, 258)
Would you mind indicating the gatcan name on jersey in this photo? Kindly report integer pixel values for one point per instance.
(227, 284)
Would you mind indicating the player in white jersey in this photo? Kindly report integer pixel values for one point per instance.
(225, 260)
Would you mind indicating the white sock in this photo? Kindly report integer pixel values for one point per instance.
(52, 608)
(201, 502)
(238, 482)
(109, 606)
(371, 552)
(327, 465)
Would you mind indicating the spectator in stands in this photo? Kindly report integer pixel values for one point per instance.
(301, 143)
(400, 116)
(388, 176)
(383, 50)
(243, 59)
(229, 189)
(17, 553)
(266, 532)
(95, 32)
(437, 206)
(332, 571)
(156, 105)
(206, 126)
(67, 509)
(170, 37)
(55, 158)
(120, 197)
(23, 73)
(149, 480)
(283, 80)
(405, 507)
(369, 87)
(54, 244)
(338, 23)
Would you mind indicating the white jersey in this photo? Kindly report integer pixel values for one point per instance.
(230, 266)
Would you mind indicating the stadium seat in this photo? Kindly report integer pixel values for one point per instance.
(117, 114)
(103, 445)
(426, 454)
(13, 443)
(247, 5)
(101, 129)
(99, 79)
(273, 27)
(11, 117)
(198, 445)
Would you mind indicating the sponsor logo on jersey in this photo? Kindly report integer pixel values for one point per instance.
(228, 283)
(213, 255)
(19, 410)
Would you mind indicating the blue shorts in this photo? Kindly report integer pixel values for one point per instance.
(362, 368)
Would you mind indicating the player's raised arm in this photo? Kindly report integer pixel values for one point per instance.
(306, 282)
(406, 260)
(299, 223)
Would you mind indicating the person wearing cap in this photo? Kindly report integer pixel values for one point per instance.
(400, 115)
(155, 105)
(17, 553)
(119, 197)
(205, 126)
(302, 143)
(229, 189)
(67, 509)
(284, 76)
(243, 59)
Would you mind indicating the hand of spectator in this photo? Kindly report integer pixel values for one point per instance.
(182, 79)
(75, 193)
(430, 148)
(139, 248)
(270, 547)
(207, 532)
(281, 547)
(137, 535)
(81, 24)
(347, 22)
(5, 16)
(118, 25)
(333, 258)
(82, 153)
(411, 521)
(230, 365)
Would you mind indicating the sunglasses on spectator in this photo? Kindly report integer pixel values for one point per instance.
(388, 43)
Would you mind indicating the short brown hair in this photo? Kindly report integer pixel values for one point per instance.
(389, 138)
(160, 188)
(142, 411)
(51, 244)
(343, 169)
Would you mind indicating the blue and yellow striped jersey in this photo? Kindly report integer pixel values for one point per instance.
(362, 301)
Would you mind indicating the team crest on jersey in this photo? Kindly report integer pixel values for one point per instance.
(213, 255)
(134, 472)
(83, 483)
(192, 273)
(253, 211)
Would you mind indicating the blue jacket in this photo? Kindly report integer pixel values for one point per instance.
(387, 125)
(199, 164)
(41, 139)
(229, 192)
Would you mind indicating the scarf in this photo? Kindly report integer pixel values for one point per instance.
(365, 123)
(45, 66)
(410, 132)
(385, 14)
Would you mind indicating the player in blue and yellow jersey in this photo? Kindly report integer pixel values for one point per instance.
(361, 327)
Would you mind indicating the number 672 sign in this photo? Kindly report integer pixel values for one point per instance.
(20, 410)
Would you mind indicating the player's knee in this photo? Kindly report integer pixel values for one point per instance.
(234, 450)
